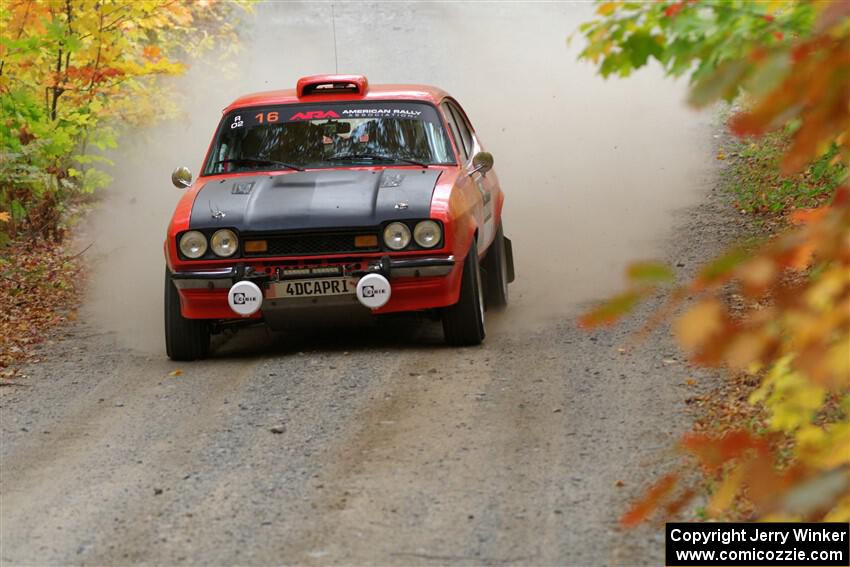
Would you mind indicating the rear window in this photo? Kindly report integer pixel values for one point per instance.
(339, 134)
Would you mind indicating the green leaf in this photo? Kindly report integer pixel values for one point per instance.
(610, 311)
(640, 47)
(769, 74)
(721, 268)
(722, 83)
(650, 272)
(18, 211)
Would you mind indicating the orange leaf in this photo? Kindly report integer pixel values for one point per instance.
(673, 507)
(746, 348)
(713, 452)
(152, 52)
(757, 274)
(652, 500)
(807, 216)
(801, 257)
(700, 323)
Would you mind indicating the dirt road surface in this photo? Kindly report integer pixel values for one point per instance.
(380, 445)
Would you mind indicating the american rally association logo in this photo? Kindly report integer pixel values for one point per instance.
(314, 115)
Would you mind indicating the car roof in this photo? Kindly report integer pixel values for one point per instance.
(360, 91)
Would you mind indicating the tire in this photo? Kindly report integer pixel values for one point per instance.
(463, 322)
(496, 268)
(185, 339)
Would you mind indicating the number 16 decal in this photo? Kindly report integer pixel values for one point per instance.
(267, 117)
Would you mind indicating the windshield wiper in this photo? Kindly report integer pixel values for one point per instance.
(258, 161)
(379, 156)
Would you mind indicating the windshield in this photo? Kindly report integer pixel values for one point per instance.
(300, 136)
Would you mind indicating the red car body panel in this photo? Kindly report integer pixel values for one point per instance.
(457, 201)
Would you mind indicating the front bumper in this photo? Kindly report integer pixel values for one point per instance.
(418, 283)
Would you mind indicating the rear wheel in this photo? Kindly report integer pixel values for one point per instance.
(496, 270)
(185, 339)
(463, 322)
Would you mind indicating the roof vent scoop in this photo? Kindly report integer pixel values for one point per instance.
(331, 84)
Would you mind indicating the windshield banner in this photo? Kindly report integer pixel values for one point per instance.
(247, 117)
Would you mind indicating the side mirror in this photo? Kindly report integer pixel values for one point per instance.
(181, 177)
(482, 162)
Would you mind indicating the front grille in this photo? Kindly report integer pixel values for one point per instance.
(311, 244)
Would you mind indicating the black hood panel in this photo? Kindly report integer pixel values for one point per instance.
(314, 200)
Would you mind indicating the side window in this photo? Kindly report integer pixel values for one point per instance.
(464, 128)
(453, 129)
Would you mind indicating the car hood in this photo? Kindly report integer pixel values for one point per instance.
(314, 199)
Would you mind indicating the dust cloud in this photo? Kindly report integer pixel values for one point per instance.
(593, 169)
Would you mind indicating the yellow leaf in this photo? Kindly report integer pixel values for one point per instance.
(824, 291)
(177, 372)
(841, 512)
(725, 493)
(838, 361)
(810, 438)
(834, 450)
(789, 396)
(775, 5)
(4, 216)
(607, 8)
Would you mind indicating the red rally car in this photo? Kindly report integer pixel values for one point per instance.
(337, 196)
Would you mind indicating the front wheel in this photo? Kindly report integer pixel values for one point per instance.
(463, 322)
(185, 339)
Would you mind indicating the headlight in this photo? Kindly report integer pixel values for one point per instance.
(396, 235)
(427, 234)
(193, 244)
(224, 243)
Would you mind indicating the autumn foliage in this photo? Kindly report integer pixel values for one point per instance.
(789, 63)
(74, 74)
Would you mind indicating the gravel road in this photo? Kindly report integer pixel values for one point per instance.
(357, 446)
(380, 445)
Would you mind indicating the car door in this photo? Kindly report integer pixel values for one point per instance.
(468, 145)
(464, 183)
(485, 183)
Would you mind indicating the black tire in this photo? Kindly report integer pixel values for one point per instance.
(463, 322)
(185, 339)
(496, 272)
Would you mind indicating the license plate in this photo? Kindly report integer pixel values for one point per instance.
(314, 288)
